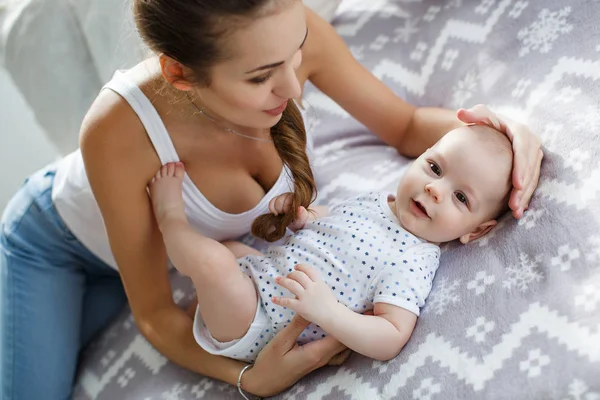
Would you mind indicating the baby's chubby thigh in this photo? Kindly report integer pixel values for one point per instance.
(240, 249)
(248, 346)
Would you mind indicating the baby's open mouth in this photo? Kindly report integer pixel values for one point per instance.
(421, 208)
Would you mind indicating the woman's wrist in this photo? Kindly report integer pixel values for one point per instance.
(248, 382)
(241, 389)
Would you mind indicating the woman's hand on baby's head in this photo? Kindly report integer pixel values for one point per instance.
(282, 204)
(527, 150)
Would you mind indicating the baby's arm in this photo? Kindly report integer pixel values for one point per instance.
(380, 336)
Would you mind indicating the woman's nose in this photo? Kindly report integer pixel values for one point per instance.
(288, 86)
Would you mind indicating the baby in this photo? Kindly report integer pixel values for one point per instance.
(374, 252)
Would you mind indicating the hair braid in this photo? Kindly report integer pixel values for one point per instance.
(289, 137)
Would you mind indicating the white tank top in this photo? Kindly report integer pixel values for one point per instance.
(77, 206)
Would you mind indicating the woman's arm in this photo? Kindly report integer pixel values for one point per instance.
(119, 162)
(328, 63)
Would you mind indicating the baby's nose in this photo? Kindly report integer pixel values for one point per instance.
(434, 192)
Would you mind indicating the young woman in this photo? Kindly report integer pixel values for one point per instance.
(80, 238)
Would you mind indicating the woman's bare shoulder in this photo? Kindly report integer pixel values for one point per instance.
(111, 117)
(321, 42)
(112, 131)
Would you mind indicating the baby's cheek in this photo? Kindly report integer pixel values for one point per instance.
(450, 226)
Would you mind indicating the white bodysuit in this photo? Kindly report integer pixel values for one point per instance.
(362, 253)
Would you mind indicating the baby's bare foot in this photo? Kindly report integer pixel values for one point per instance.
(166, 194)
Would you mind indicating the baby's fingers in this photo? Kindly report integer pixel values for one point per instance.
(272, 208)
(301, 219)
(290, 284)
(311, 272)
(286, 302)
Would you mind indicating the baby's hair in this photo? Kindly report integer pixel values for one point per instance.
(503, 146)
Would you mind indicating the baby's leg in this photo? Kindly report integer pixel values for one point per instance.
(226, 296)
(240, 250)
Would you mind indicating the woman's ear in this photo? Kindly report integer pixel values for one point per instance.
(176, 73)
(480, 231)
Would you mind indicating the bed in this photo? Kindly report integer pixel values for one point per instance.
(515, 315)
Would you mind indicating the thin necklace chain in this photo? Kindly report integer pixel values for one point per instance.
(201, 111)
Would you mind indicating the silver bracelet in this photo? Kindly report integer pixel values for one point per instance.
(239, 383)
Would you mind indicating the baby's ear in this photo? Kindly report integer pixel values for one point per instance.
(480, 231)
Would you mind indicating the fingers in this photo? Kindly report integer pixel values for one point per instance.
(526, 173)
(526, 149)
(284, 203)
(272, 209)
(323, 350)
(291, 284)
(286, 339)
(301, 219)
(514, 203)
(312, 273)
(300, 277)
(473, 115)
(531, 185)
(339, 358)
(286, 302)
(480, 114)
(521, 161)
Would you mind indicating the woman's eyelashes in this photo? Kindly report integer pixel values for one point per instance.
(261, 79)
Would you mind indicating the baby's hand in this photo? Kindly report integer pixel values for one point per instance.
(282, 205)
(314, 300)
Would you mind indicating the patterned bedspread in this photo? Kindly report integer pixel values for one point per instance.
(513, 316)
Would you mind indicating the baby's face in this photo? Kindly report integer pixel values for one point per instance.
(454, 187)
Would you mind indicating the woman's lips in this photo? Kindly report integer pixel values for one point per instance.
(278, 110)
(418, 209)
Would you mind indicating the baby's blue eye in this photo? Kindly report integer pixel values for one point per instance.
(461, 197)
(435, 169)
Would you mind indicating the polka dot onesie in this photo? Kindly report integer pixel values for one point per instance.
(362, 253)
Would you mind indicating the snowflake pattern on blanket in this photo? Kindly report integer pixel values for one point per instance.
(513, 316)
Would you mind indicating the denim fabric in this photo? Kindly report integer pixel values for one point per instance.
(54, 296)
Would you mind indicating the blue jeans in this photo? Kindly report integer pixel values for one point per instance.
(55, 295)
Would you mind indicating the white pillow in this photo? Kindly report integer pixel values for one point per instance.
(325, 8)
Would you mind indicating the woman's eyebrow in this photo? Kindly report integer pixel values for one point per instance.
(277, 64)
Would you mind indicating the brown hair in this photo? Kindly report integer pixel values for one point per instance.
(289, 137)
(193, 32)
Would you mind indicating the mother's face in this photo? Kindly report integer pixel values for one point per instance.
(251, 88)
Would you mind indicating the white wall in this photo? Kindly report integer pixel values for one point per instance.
(23, 145)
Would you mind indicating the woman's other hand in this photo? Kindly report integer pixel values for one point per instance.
(283, 362)
(527, 153)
